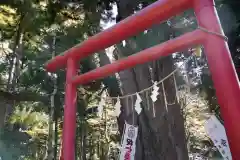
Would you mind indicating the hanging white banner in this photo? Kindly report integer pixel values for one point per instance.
(128, 146)
(216, 132)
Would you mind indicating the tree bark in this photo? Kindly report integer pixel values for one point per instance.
(56, 115)
(14, 69)
(84, 140)
(50, 152)
(162, 136)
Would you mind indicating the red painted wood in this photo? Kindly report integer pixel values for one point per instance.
(151, 54)
(69, 123)
(154, 14)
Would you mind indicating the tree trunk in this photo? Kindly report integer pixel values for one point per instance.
(84, 140)
(162, 136)
(15, 66)
(50, 151)
(56, 114)
(175, 120)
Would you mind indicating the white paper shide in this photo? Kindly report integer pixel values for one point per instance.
(138, 107)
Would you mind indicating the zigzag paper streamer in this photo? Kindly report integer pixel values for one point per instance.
(118, 108)
(138, 107)
(155, 92)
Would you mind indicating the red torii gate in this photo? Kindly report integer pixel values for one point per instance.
(217, 52)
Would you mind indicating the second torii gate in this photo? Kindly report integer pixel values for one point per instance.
(209, 34)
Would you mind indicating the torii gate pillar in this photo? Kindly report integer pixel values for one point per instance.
(70, 111)
(223, 72)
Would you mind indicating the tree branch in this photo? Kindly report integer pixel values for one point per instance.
(24, 96)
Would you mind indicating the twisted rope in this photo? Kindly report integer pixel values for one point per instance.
(172, 73)
(213, 33)
(147, 89)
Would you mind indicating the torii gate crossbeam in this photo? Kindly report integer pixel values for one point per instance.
(219, 59)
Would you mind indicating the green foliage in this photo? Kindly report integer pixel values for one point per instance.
(39, 22)
(70, 22)
(30, 129)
